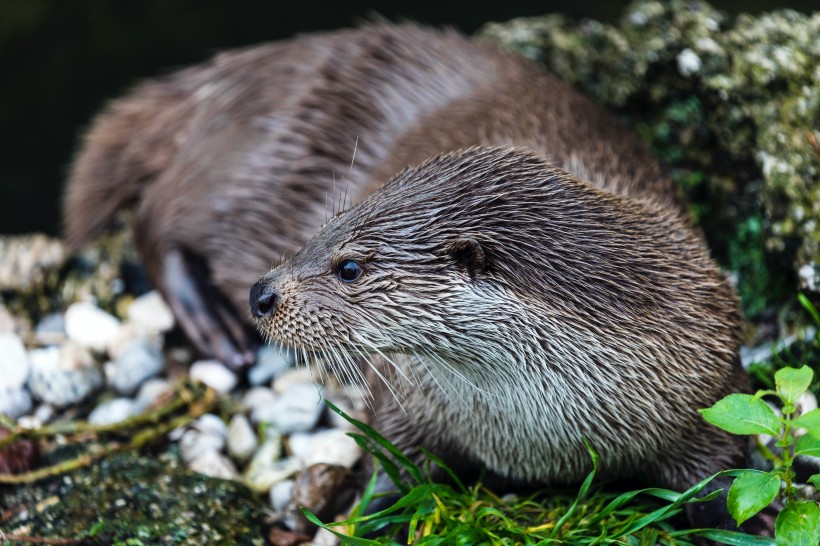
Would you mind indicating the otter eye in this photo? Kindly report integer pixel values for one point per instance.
(349, 271)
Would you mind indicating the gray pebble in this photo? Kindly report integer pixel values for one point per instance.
(194, 443)
(63, 376)
(113, 411)
(151, 391)
(213, 374)
(138, 362)
(242, 442)
(15, 402)
(280, 495)
(51, 330)
(215, 465)
(271, 362)
(14, 362)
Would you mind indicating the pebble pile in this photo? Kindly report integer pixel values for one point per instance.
(86, 355)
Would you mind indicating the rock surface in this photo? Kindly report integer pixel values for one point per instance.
(728, 104)
(152, 498)
(64, 375)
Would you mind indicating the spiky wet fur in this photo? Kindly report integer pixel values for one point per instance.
(597, 317)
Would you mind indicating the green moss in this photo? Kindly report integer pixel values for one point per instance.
(732, 107)
(137, 500)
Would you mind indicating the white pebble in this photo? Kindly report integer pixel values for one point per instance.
(213, 374)
(89, 326)
(194, 443)
(15, 402)
(44, 413)
(138, 362)
(257, 396)
(211, 424)
(150, 312)
(688, 62)
(328, 446)
(323, 537)
(264, 461)
(63, 376)
(806, 403)
(297, 410)
(215, 465)
(151, 391)
(280, 495)
(113, 411)
(271, 362)
(265, 412)
(261, 477)
(14, 363)
(126, 336)
(292, 378)
(242, 440)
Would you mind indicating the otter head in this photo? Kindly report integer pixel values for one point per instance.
(390, 274)
(481, 260)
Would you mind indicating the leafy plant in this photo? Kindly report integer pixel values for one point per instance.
(798, 524)
(429, 513)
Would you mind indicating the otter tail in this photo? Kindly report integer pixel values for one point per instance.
(128, 145)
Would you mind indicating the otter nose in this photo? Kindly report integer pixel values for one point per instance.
(264, 299)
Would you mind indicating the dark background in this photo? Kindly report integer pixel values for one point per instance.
(61, 60)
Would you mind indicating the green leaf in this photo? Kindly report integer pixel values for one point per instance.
(581, 491)
(743, 414)
(809, 421)
(807, 445)
(815, 480)
(347, 539)
(792, 383)
(798, 525)
(734, 538)
(807, 305)
(750, 493)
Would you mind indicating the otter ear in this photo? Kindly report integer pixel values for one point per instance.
(468, 254)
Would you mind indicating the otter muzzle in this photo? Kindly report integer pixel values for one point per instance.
(264, 299)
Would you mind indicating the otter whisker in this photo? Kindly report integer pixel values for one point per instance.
(432, 373)
(389, 360)
(376, 369)
(438, 359)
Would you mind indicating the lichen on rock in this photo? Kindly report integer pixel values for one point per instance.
(731, 106)
(152, 500)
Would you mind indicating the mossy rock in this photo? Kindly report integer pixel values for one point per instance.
(128, 499)
(731, 106)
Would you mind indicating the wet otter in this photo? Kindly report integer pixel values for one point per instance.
(533, 309)
(518, 307)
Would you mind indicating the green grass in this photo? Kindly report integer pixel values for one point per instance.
(429, 513)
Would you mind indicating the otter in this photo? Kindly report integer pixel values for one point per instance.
(528, 281)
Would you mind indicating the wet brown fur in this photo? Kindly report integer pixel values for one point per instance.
(598, 313)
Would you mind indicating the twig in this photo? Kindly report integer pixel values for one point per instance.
(184, 397)
(140, 439)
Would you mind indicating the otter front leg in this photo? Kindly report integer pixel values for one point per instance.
(209, 321)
